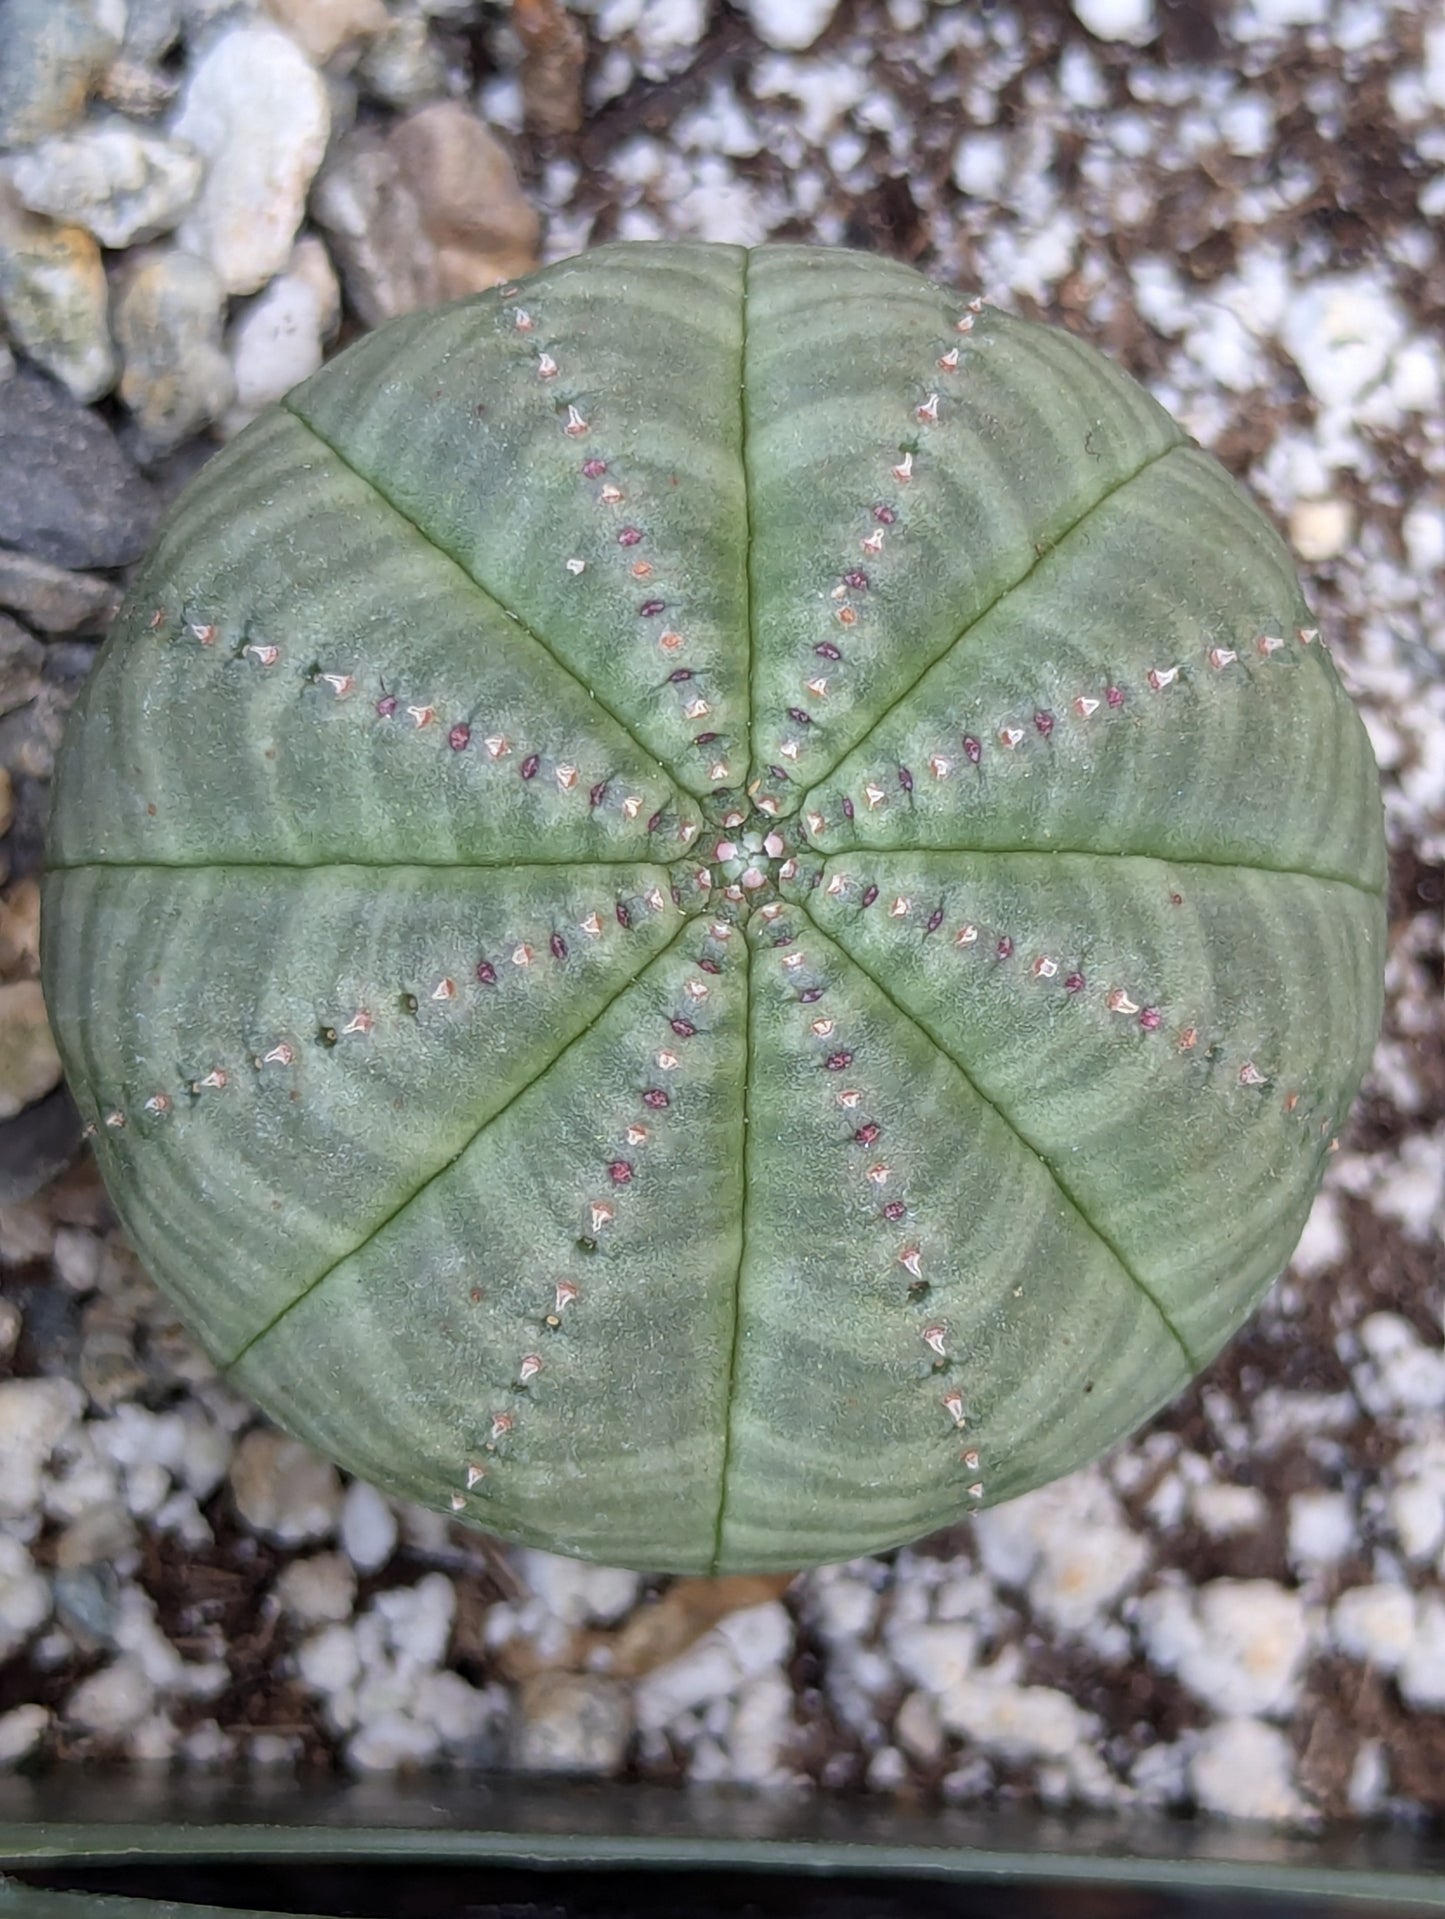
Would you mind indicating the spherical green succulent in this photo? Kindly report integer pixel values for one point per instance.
(716, 908)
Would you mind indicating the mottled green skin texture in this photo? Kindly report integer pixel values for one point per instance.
(490, 1131)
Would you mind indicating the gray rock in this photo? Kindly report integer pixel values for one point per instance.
(571, 1723)
(22, 659)
(34, 1147)
(152, 28)
(26, 840)
(30, 736)
(403, 66)
(52, 54)
(68, 662)
(344, 103)
(54, 299)
(175, 379)
(55, 600)
(117, 182)
(257, 109)
(85, 1603)
(374, 223)
(51, 1312)
(432, 212)
(83, 503)
(201, 19)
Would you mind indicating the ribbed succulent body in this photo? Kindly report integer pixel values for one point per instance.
(715, 909)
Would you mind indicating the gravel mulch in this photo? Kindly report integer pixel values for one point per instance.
(1239, 1611)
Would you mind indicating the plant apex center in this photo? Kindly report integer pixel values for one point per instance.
(750, 858)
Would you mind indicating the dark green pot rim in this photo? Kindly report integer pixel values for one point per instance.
(132, 1818)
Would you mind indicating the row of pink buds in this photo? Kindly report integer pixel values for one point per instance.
(601, 1211)
(426, 716)
(865, 1135)
(969, 936)
(652, 606)
(853, 580)
(1041, 724)
(544, 366)
(529, 1366)
(282, 1053)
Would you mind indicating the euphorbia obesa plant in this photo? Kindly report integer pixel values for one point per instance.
(715, 908)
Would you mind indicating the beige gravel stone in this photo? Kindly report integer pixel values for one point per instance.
(120, 184)
(570, 1723)
(12, 1324)
(1243, 1769)
(21, 1731)
(1321, 529)
(54, 299)
(168, 320)
(1069, 1543)
(52, 54)
(918, 1728)
(433, 212)
(283, 1490)
(323, 27)
(1239, 1645)
(1376, 1624)
(256, 108)
(54, 600)
(471, 203)
(20, 929)
(99, 1536)
(24, 1597)
(112, 1701)
(29, 1063)
(319, 1591)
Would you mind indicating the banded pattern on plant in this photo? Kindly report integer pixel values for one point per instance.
(715, 908)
